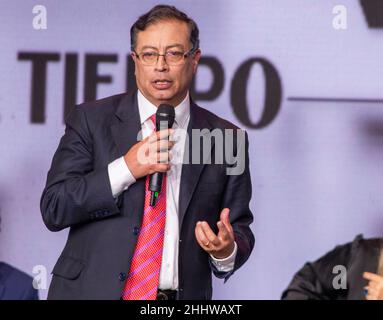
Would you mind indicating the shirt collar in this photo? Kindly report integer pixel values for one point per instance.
(147, 109)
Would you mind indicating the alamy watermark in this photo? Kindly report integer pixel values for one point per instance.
(39, 21)
(229, 148)
(339, 20)
(340, 280)
(40, 278)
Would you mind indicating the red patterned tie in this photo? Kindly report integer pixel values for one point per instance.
(142, 281)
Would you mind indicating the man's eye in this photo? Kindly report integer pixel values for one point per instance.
(149, 54)
(174, 53)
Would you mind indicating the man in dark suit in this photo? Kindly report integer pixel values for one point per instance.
(15, 285)
(119, 246)
(361, 260)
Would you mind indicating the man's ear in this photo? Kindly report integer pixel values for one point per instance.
(134, 58)
(196, 57)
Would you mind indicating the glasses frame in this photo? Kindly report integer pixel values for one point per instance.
(185, 55)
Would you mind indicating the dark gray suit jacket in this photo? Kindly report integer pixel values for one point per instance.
(15, 285)
(103, 232)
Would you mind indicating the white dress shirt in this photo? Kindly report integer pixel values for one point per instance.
(121, 178)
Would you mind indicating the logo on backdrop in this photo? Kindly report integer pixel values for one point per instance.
(239, 86)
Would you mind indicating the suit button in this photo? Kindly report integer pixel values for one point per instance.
(122, 276)
(136, 231)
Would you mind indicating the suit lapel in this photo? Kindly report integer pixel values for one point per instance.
(127, 123)
(125, 131)
(191, 172)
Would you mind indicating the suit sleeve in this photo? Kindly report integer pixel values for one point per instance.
(237, 196)
(75, 191)
(315, 281)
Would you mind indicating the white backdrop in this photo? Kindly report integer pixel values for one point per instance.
(316, 168)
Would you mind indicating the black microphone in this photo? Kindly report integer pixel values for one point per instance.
(164, 120)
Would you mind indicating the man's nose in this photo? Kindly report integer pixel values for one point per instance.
(161, 64)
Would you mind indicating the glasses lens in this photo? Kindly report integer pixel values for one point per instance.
(149, 57)
(174, 57)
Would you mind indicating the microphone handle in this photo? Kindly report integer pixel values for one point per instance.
(155, 182)
(155, 186)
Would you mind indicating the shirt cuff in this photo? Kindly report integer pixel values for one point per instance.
(120, 177)
(225, 264)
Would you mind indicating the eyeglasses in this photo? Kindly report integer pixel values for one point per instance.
(172, 57)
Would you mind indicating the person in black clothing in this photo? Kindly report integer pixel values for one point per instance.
(363, 262)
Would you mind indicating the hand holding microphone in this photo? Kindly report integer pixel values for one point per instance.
(156, 149)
